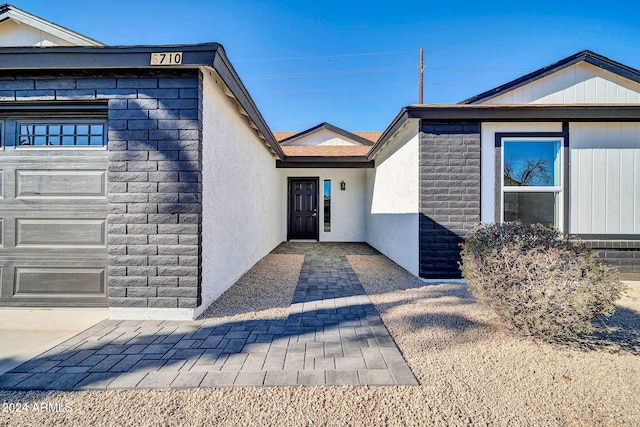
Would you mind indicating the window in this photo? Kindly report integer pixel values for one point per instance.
(532, 180)
(327, 205)
(61, 134)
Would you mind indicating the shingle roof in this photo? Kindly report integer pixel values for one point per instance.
(326, 150)
(370, 136)
(280, 136)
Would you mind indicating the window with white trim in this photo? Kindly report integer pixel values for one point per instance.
(532, 180)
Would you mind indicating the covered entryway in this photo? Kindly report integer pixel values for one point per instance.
(303, 208)
(53, 213)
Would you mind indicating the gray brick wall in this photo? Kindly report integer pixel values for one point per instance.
(449, 194)
(155, 182)
(622, 254)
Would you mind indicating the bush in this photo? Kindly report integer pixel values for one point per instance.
(542, 284)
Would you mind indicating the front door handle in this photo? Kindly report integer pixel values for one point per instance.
(315, 213)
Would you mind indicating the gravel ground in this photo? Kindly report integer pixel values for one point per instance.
(264, 292)
(472, 371)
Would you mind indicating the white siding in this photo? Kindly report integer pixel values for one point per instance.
(393, 200)
(487, 159)
(241, 210)
(605, 178)
(348, 219)
(15, 34)
(581, 83)
(323, 137)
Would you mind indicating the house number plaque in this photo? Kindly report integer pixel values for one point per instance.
(166, 58)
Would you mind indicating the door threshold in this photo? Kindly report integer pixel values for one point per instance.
(304, 240)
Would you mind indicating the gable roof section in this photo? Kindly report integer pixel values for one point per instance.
(371, 136)
(329, 127)
(209, 55)
(325, 150)
(8, 11)
(584, 56)
(321, 155)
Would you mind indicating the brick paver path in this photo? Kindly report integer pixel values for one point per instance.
(332, 336)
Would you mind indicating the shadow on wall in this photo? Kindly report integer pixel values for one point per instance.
(402, 234)
(440, 248)
(155, 198)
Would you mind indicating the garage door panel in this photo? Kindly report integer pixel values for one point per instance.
(69, 184)
(59, 282)
(61, 232)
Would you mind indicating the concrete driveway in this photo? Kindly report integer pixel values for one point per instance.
(25, 333)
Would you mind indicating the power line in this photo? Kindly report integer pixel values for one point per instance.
(452, 67)
(402, 52)
(325, 73)
(334, 89)
(346, 55)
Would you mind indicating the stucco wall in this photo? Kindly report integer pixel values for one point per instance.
(241, 219)
(392, 199)
(348, 219)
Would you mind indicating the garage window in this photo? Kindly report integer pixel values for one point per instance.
(55, 134)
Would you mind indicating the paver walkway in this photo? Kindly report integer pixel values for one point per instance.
(332, 336)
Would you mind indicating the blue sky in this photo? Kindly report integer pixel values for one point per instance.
(354, 63)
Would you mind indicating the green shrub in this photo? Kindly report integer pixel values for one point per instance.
(537, 281)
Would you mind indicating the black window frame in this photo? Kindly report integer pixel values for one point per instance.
(61, 122)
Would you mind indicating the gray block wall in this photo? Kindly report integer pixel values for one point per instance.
(155, 183)
(622, 254)
(449, 194)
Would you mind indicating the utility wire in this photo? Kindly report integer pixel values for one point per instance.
(452, 67)
(325, 73)
(372, 70)
(346, 55)
(334, 89)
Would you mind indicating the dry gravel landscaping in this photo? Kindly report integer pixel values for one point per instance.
(472, 370)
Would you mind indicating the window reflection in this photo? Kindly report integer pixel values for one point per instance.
(532, 184)
(531, 163)
(327, 205)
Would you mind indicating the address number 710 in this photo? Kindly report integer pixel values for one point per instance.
(166, 58)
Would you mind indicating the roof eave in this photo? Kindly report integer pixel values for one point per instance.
(526, 112)
(139, 57)
(9, 11)
(84, 57)
(395, 125)
(508, 113)
(225, 69)
(325, 161)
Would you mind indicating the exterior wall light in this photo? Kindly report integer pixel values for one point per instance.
(343, 186)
